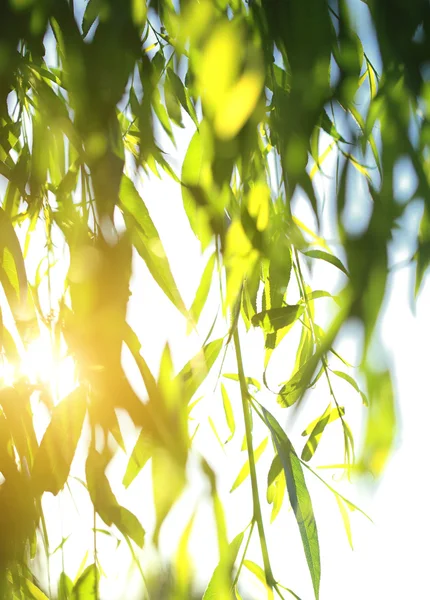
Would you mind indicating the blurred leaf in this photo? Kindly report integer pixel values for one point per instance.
(34, 592)
(147, 241)
(183, 570)
(57, 448)
(219, 587)
(381, 423)
(195, 371)
(105, 502)
(192, 174)
(13, 278)
(65, 587)
(203, 289)
(168, 481)
(86, 587)
(140, 455)
(93, 9)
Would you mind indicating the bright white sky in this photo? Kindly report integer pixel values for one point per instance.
(390, 557)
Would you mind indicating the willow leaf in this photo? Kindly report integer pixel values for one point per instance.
(317, 428)
(57, 448)
(277, 318)
(346, 522)
(299, 497)
(219, 586)
(195, 371)
(333, 260)
(147, 241)
(13, 279)
(228, 411)
(244, 472)
(354, 384)
(203, 289)
(140, 455)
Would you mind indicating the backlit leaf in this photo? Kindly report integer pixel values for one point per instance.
(333, 260)
(317, 428)
(86, 587)
(219, 587)
(244, 472)
(299, 497)
(277, 318)
(13, 279)
(195, 371)
(57, 448)
(140, 455)
(228, 411)
(147, 241)
(203, 289)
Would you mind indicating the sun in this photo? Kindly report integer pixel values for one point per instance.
(45, 362)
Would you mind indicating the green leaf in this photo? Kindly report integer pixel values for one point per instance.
(334, 414)
(381, 423)
(195, 371)
(330, 128)
(228, 411)
(219, 587)
(203, 289)
(333, 260)
(172, 102)
(86, 587)
(92, 11)
(168, 481)
(57, 448)
(65, 587)
(249, 380)
(277, 318)
(317, 428)
(105, 502)
(215, 432)
(259, 573)
(13, 279)
(276, 485)
(34, 592)
(192, 176)
(183, 564)
(299, 497)
(140, 455)
(315, 295)
(244, 472)
(181, 94)
(354, 384)
(147, 241)
(295, 387)
(345, 519)
(161, 113)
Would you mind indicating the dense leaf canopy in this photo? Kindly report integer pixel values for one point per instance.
(91, 95)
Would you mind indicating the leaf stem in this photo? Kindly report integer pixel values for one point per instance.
(244, 553)
(257, 515)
